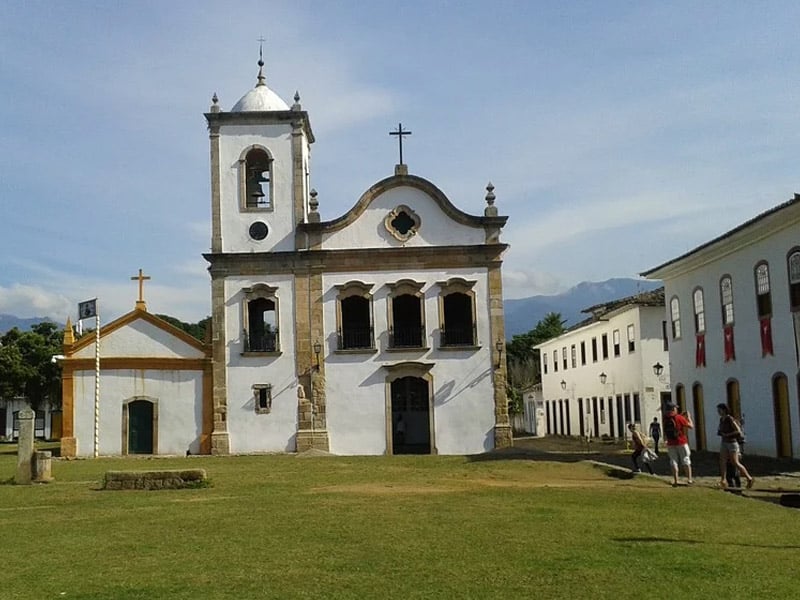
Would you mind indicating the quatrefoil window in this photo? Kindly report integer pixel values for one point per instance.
(403, 223)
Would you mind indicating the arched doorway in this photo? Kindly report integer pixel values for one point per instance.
(699, 417)
(411, 417)
(140, 418)
(783, 423)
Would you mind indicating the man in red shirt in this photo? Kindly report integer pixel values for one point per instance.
(675, 428)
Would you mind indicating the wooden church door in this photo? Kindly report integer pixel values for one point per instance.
(411, 422)
(140, 427)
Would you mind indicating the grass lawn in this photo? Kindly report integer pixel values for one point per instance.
(380, 527)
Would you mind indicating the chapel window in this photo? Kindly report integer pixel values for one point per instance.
(675, 315)
(604, 345)
(794, 280)
(763, 294)
(354, 315)
(573, 356)
(594, 349)
(583, 353)
(699, 311)
(564, 357)
(555, 361)
(726, 297)
(261, 320)
(262, 398)
(544, 362)
(406, 315)
(615, 342)
(457, 313)
(631, 338)
(255, 179)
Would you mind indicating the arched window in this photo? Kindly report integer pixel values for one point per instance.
(255, 179)
(260, 318)
(699, 311)
(726, 299)
(763, 295)
(675, 314)
(354, 316)
(794, 280)
(457, 314)
(406, 315)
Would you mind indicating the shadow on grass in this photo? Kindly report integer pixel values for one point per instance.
(662, 540)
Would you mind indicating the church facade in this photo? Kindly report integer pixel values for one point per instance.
(378, 332)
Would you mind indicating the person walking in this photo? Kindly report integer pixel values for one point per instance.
(640, 450)
(655, 433)
(730, 433)
(676, 427)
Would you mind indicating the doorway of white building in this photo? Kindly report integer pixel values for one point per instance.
(783, 423)
(411, 416)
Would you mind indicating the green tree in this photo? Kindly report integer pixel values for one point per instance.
(26, 365)
(196, 330)
(523, 361)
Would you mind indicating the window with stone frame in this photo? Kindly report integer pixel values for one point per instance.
(406, 307)
(555, 361)
(793, 264)
(260, 317)
(457, 313)
(262, 397)
(564, 357)
(354, 316)
(255, 179)
(583, 353)
(573, 356)
(631, 338)
(726, 299)
(544, 362)
(594, 349)
(604, 345)
(615, 342)
(699, 311)
(763, 294)
(675, 317)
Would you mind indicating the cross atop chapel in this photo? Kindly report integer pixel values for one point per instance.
(141, 277)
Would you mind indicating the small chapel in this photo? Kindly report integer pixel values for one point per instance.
(380, 331)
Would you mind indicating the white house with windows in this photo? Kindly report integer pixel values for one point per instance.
(380, 331)
(734, 312)
(608, 371)
(46, 424)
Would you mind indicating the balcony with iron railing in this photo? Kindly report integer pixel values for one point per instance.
(265, 342)
(355, 338)
(407, 337)
(457, 336)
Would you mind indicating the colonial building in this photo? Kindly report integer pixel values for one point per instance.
(608, 371)
(380, 331)
(733, 306)
(154, 394)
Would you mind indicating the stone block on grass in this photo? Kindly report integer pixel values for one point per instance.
(155, 480)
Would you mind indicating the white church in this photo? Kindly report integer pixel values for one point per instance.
(378, 332)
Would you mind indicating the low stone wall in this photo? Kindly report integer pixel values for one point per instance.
(154, 480)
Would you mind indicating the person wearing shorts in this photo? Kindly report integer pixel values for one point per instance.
(730, 433)
(678, 446)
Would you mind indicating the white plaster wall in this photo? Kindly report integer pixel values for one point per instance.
(628, 373)
(180, 406)
(753, 371)
(274, 431)
(436, 229)
(141, 339)
(235, 223)
(462, 380)
(14, 405)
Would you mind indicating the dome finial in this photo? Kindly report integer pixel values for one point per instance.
(261, 77)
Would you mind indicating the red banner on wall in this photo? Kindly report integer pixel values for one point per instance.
(700, 351)
(730, 350)
(766, 337)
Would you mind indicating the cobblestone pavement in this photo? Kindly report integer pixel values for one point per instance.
(773, 476)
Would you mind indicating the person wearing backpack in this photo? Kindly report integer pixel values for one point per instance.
(675, 429)
(730, 433)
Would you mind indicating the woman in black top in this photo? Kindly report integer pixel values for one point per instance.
(730, 433)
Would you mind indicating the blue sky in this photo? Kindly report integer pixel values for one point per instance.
(618, 135)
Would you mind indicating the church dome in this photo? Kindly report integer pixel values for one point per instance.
(260, 98)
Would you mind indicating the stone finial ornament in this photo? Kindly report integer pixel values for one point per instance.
(215, 103)
(296, 105)
(313, 204)
(491, 209)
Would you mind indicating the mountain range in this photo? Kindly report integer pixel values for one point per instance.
(522, 314)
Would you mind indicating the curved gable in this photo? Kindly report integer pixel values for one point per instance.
(426, 218)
